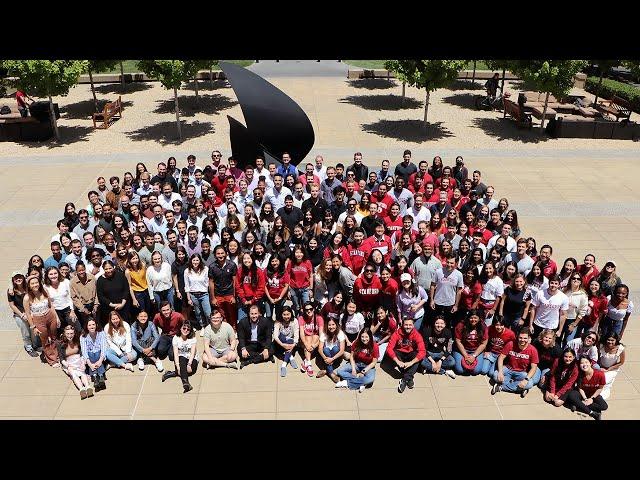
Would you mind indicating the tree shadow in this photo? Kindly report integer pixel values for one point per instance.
(372, 83)
(466, 85)
(382, 102)
(166, 133)
(205, 85)
(462, 100)
(120, 89)
(408, 130)
(84, 109)
(68, 135)
(207, 104)
(506, 129)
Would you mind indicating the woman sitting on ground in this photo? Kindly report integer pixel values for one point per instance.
(120, 352)
(311, 324)
(549, 350)
(439, 342)
(361, 369)
(586, 346)
(331, 349)
(73, 364)
(286, 335)
(562, 378)
(93, 344)
(144, 339)
(612, 356)
(499, 336)
(185, 357)
(383, 325)
(471, 341)
(587, 397)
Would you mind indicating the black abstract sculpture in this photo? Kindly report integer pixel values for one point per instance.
(275, 123)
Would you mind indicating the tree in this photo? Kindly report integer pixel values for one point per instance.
(97, 66)
(46, 78)
(554, 77)
(196, 66)
(171, 74)
(604, 66)
(400, 68)
(634, 66)
(431, 75)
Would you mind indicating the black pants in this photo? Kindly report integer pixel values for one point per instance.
(445, 311)
(574, 398)
(84, 317)
(408, 373)
(255, 352)
(183, 362)
(64, 316)
(165, 347)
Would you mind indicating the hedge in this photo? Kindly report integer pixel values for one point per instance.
(609, 88)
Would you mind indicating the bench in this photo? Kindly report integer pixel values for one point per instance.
(617, 107)
(522, 119)
(110, 111)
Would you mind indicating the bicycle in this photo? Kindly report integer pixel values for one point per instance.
(490, 103)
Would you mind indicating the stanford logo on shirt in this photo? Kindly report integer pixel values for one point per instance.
(369, 291)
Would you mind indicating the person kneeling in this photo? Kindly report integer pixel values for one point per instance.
(185, 356)
(219, 343)
(406, 348)
(361, 369)
(254, 338)
(517, 369)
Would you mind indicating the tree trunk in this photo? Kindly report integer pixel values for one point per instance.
(54, 122)
(93, 90)
(544, 112)
(426, 108)
(473, 77)
(502, 84)
(121, 74)
(195, 82)
(404, 85)
(175, 102)
(599, 87)
(211, 77)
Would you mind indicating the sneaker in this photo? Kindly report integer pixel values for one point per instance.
(83, 393)
(450, 373)
(140, 364)
(401, 386)
(524, 393)
(341, 384)
(89, 392)
(334, 377)
(595, 415)
(496, 388)
(187, 387)
(283, 371)
(410, 384)
(129, 366)
(361, 388)
(31, 351)
(573, 408)
(206, 366)
(293, 363)
(309, 369)
(236, 364)
(159, 365)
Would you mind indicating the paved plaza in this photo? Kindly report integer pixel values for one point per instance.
(579, 196)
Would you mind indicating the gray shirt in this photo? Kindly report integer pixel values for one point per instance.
(447, 285)
(455, 241)
(404, 199)
(326, 190)
(524, 266)
(425, 270)
(80, 231)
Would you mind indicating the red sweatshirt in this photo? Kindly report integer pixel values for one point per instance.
(367, 294)
(344, 254)
(244, 288)
(401, 342)
(596, 382)
(597, 306)
(384, 204)
(358, 255)
(391, 226)
(389, 292)
(300, 274)
(562, 378)
(383, 244)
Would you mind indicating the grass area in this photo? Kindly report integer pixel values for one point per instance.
(129, 66)
(374, 64)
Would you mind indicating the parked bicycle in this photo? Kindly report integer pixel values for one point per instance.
(490, 103)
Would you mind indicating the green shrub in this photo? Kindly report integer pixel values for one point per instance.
(609, 88)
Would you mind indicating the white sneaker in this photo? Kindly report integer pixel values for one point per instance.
(361, 388)
(159, 365)
(141, 364)
(202, 332)
(128, 366)
(450, 373)
(341, 384)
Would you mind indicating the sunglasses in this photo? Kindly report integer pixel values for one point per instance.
(310, 309)
(369, 271)
(576, 279)
(186, 327)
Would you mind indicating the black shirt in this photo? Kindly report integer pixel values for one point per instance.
(292, 217)
(361, 171)
(317, 209)
(112, 290)
(338, 209)
(405, 170)
(223, 277)
(17, 299)
(178, 270)
(315, 256)
(437, 343)
(513, 303)
(369, 223)
(546, 356)
(165, 179)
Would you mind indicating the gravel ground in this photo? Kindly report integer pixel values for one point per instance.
(345, 114)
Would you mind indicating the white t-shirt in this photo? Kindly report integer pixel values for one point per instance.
(341, 337)
(493, 289)
(353, 323)
(61, 296)
(616, 314)
(184, 346)
(548, 308)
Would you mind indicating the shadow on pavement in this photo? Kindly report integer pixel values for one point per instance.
(166, 133)
(462, 100)
(372, 83)
(466, 85)
(408, 130)
(382, 102)
(84, 109)
(206, 85)
(208, 104)
(119, 89)
(505, 129)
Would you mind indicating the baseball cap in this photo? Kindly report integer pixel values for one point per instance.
(16, 273)
(612, 263)
(405, 277)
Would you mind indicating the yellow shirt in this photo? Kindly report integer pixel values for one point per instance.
(139, 280)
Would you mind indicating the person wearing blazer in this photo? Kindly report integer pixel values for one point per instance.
(254, 338)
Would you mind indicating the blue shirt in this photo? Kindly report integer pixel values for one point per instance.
(52, 262)
(290, 170)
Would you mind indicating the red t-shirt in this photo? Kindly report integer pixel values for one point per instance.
(342, 252)
(426, 178)
(383, 205)
(384, 245)
(587, 278)
(219, 185)
(367, 295)
(431, 239)
(486, 234)
(389, 291)
(598, 305)
(391, 226)
(169, 326)
(276, 283)
(300, 274)
(311, 328)
(20, 99)
(330, 311)
(357, 257)
(550, 270)
(474, 338)
(520, 360)
(366, 355)
(590, 386)
(498, 341)
(395, 238)
(469, 294)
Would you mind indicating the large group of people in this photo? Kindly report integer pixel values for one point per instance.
(419, 268)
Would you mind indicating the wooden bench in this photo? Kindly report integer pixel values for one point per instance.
(522, 119)
(110, 111)
(617, 107)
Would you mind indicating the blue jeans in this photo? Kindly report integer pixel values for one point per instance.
(144, 301)
(417, 322)
(164, 295)
(284, 339)
(513, 378)
(354, 382)
(271, 308)
(120, 360)
(243, 310)
(541, 374)
(93, 358)
(489, 364)
(299, 296)
(201, 307)
(447, 363)
(460, 370)
(330, 352)
(611, 326)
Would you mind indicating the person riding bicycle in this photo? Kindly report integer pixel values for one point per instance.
(492, 85)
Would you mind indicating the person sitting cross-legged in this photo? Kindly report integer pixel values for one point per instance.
(254, 338)
(361, 369)
(144, 339)
(219, 343)
(406, 348)
(185, 356)
(517, 369)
